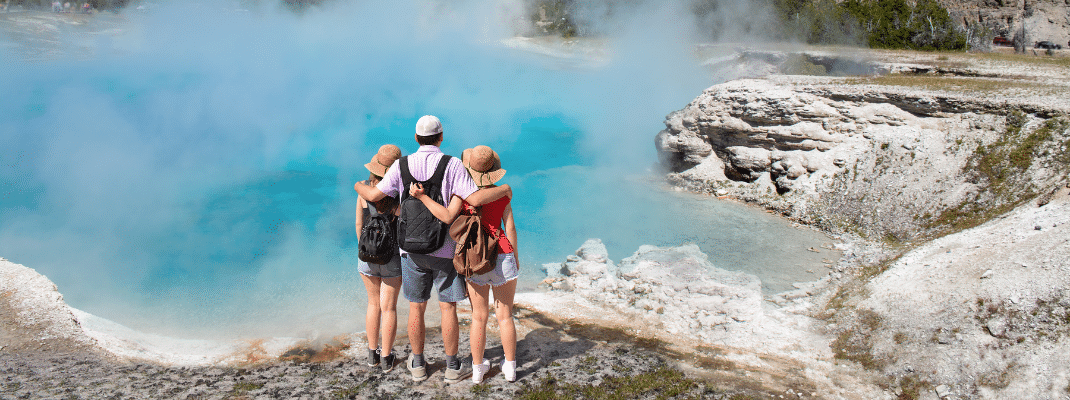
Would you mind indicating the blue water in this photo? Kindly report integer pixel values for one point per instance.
(189, 170)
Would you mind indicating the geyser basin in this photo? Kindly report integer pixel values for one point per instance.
(190, 173)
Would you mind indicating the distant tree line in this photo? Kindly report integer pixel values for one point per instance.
(296, 5)
(96, 4)
(45, 4)
(301, 5)
(884, 24)
(553, 17)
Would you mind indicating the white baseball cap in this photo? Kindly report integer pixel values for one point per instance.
(428, 125)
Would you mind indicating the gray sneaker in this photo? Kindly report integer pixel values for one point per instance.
(457, 375)
(419, 374)
(388, 363)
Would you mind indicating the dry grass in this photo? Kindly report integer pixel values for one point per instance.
(956, 84)
(659, 384)
(856, 343)
(1060, 59)
(1006, 55)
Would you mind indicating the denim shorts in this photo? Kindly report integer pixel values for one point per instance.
(504, 271)
(419, 272)
(391, 269)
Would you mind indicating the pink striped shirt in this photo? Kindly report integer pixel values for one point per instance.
(422, 163)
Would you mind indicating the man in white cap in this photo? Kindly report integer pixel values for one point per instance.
(419, 271)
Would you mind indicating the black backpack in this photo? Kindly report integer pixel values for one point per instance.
(378, 240)
(418, 230)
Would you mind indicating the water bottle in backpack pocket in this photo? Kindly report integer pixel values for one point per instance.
(378, 239)
(419, 231)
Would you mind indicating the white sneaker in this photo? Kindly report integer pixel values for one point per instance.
(509, 370)
(478, 370)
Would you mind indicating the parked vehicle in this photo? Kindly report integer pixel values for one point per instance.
(1047, 44)
(1002, 41)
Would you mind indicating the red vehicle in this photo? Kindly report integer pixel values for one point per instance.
(1002, 41)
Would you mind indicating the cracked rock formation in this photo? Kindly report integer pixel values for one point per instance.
(1042, 19)
(879, 160)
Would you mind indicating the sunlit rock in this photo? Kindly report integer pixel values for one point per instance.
(676, 286)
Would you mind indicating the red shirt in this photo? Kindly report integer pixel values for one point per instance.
(491, 216)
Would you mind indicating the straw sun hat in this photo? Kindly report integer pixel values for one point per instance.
(382, 160)
(483, 164)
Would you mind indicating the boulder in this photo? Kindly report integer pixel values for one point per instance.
(749, 161)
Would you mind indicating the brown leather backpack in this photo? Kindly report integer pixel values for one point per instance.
(477, 250)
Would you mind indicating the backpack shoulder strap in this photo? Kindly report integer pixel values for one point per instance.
(372, 212)
(406, 177)
(440, 170)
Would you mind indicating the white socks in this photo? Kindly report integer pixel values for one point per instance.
(509, 370)
(478, 370)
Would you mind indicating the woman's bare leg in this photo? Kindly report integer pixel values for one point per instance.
(477, 338)
(503, 310)
(371, 318)
(388, 304)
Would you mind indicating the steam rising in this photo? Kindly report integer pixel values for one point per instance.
(192, 175)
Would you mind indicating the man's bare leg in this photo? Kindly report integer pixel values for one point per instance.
(449, 327)
(416, 327)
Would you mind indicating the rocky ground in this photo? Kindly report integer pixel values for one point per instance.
(946, 176)
(716, 320)
(983, 313)
(550, 357)
(46, 352)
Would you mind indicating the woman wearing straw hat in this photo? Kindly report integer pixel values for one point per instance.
(486, 169)
(382, 281)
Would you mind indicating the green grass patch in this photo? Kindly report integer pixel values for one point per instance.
(856, 344)
(480, 389)
(1022, 156)
(1000, 168)
(245, 387)
(660, 384)
(969, 214)
(349, 392)
(911, 387)
(871, 270)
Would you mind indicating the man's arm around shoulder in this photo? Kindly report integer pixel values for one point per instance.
(369, 193)
(488, 195)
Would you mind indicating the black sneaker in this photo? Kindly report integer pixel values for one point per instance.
(388, 362)
(373, 357)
